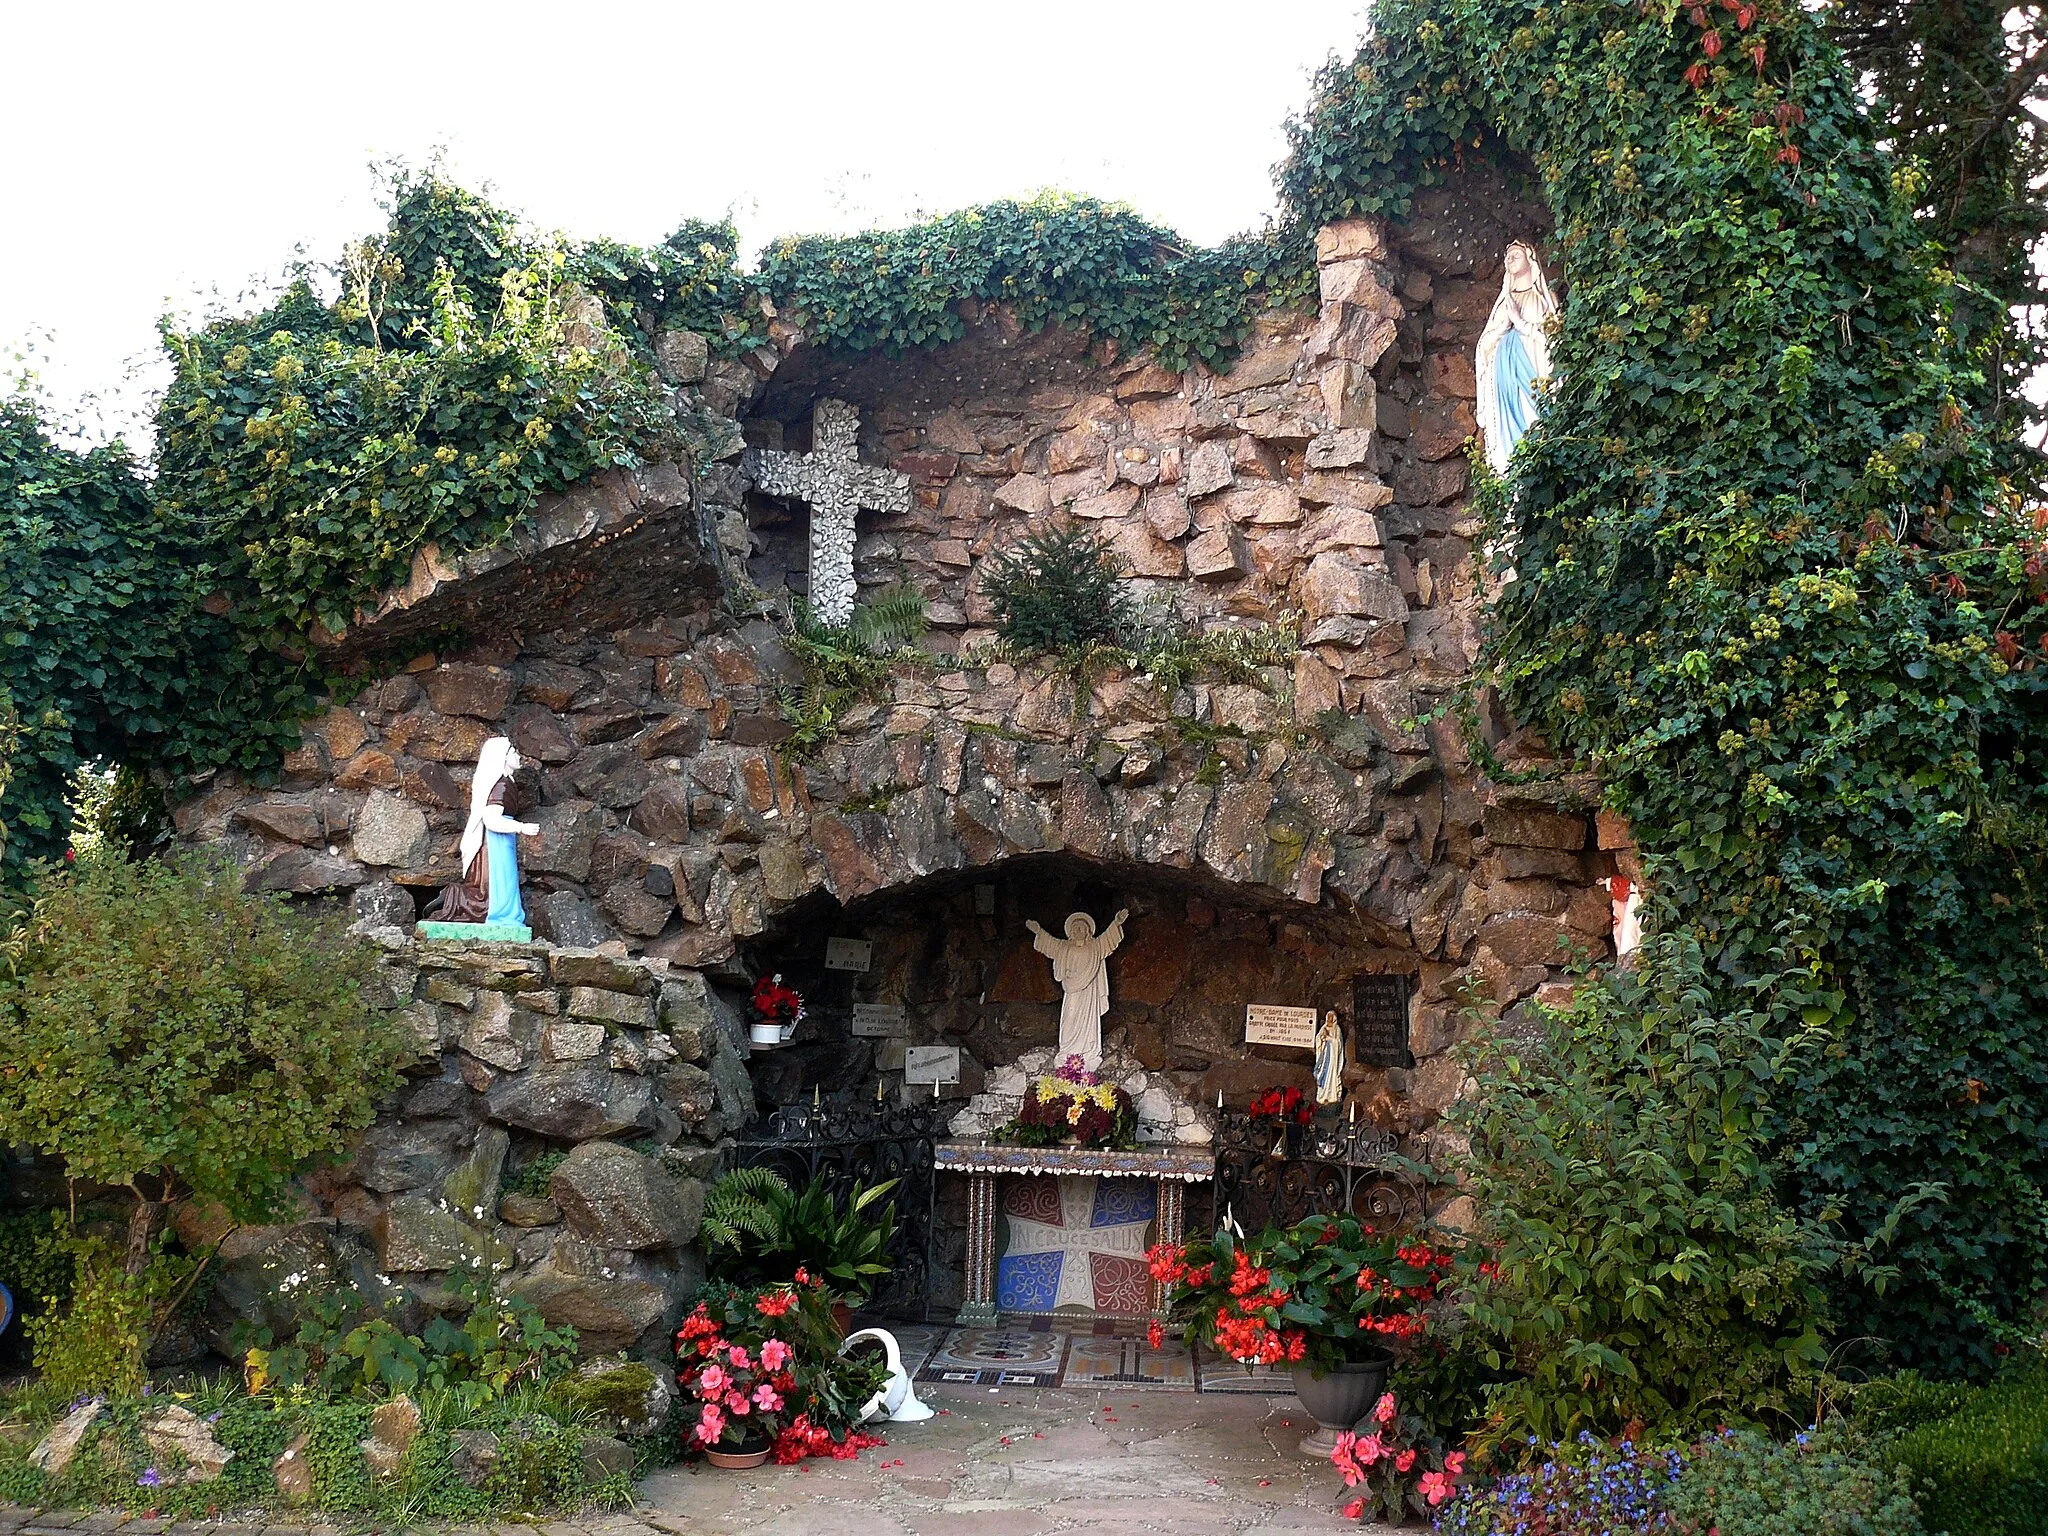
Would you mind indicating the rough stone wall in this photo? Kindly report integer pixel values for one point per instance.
(1322, 477)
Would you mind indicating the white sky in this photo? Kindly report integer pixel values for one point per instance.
(162, 153)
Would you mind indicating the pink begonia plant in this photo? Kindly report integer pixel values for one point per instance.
(1401, 1467)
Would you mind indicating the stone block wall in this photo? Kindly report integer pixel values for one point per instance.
(627, 1075)
(1330, 809)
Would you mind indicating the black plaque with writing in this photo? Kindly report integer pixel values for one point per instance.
(1379, 1021)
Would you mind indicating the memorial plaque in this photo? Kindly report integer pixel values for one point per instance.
(933, 1064)
(1379, 1021)
(1271, 1024)
(879, 1020)
(848, 954)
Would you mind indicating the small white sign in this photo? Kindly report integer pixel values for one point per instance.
(848, 954)
(1271, 1024)
(934, 1064)
(879, 1020)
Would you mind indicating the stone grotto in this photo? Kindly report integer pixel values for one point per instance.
(1274, 840)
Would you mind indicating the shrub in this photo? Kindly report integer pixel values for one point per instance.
(1983, 1470)
(1058, 590)
(1645, 1272)
(1828, 1482)
(1905, 1401)
(36, 1263)
(163, 1032)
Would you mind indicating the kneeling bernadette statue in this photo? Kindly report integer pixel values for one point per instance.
(488, 891)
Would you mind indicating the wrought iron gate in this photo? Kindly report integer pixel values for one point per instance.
(1268, 1174)
(849, 1143)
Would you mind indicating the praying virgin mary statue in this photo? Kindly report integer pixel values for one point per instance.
(1513, 354)
(488, 891)
(1080, 964)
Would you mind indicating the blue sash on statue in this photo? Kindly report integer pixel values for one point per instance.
(1514, 398)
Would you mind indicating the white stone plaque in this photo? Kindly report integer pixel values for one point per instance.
(848, 954)
(1271, 1024)
(879, 1020)
(934, 1064)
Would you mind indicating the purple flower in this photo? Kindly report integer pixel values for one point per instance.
(149, 1479)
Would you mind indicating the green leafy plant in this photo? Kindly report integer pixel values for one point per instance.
(534, 1174)
(1060, 590)
(1825, 1482)
(757, 1228)
(848, 663)
(165, 1033)
(1643, 1270)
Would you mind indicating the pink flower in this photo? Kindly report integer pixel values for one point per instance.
(1434, 1487)
(740, 1359)
(1454, 1463)
(1404, 1461)
(774, 1354)
(1370, 1449)
(711, 1425)
(712, 1382)
(1383, 1410)
(1344, 1454)
(1354, 1510)
(766, 1398)
(736, 1403)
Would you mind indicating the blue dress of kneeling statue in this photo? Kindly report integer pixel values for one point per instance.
(501, 851)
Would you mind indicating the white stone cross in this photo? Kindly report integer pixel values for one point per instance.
(837, 486)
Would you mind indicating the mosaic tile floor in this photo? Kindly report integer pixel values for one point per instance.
(1080, 1355)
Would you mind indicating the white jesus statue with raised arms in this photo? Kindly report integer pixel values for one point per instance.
(1080, 964)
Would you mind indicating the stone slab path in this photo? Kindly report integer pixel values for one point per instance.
(1027, 1462)
(1004, 1461)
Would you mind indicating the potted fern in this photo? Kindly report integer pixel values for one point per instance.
(756, 1228)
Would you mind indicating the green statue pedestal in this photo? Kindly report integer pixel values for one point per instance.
(478, 933)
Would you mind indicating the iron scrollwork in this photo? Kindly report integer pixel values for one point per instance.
(1269, 1174)
(847, 1143)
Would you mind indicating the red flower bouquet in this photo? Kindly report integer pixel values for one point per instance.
(1325, 1291)
(761, 1366)
(773, 1003)
(1282, 1106)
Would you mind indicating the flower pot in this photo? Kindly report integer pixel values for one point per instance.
(842, 1318)
(767, 1034)
(1338, 1400)
(739, 1460)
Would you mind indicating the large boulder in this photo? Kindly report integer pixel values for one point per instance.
(391, 831)
(568, 1103)
(414, 1234)
(612, 1195)
(178, 1437)
(632, 1305)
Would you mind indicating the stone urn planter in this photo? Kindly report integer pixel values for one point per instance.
(738, 1460)
(1339, 1399)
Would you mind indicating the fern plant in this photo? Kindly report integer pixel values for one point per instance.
(846, 663)
(756, 1228)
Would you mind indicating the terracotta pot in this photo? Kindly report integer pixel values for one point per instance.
(842, 1318)
(1338, 1400)
(737, 1461)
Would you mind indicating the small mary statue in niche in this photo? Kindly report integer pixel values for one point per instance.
(488, 891)
(1514, 353)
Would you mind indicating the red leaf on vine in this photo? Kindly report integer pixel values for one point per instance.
(1696, 77)
(1712, 43)
(2008, 647)
(1757, 54)
(1789, 155)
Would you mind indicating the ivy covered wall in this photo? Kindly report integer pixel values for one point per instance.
(1767, 583)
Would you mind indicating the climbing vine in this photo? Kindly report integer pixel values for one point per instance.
(1056, 260)
(1767, 582)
